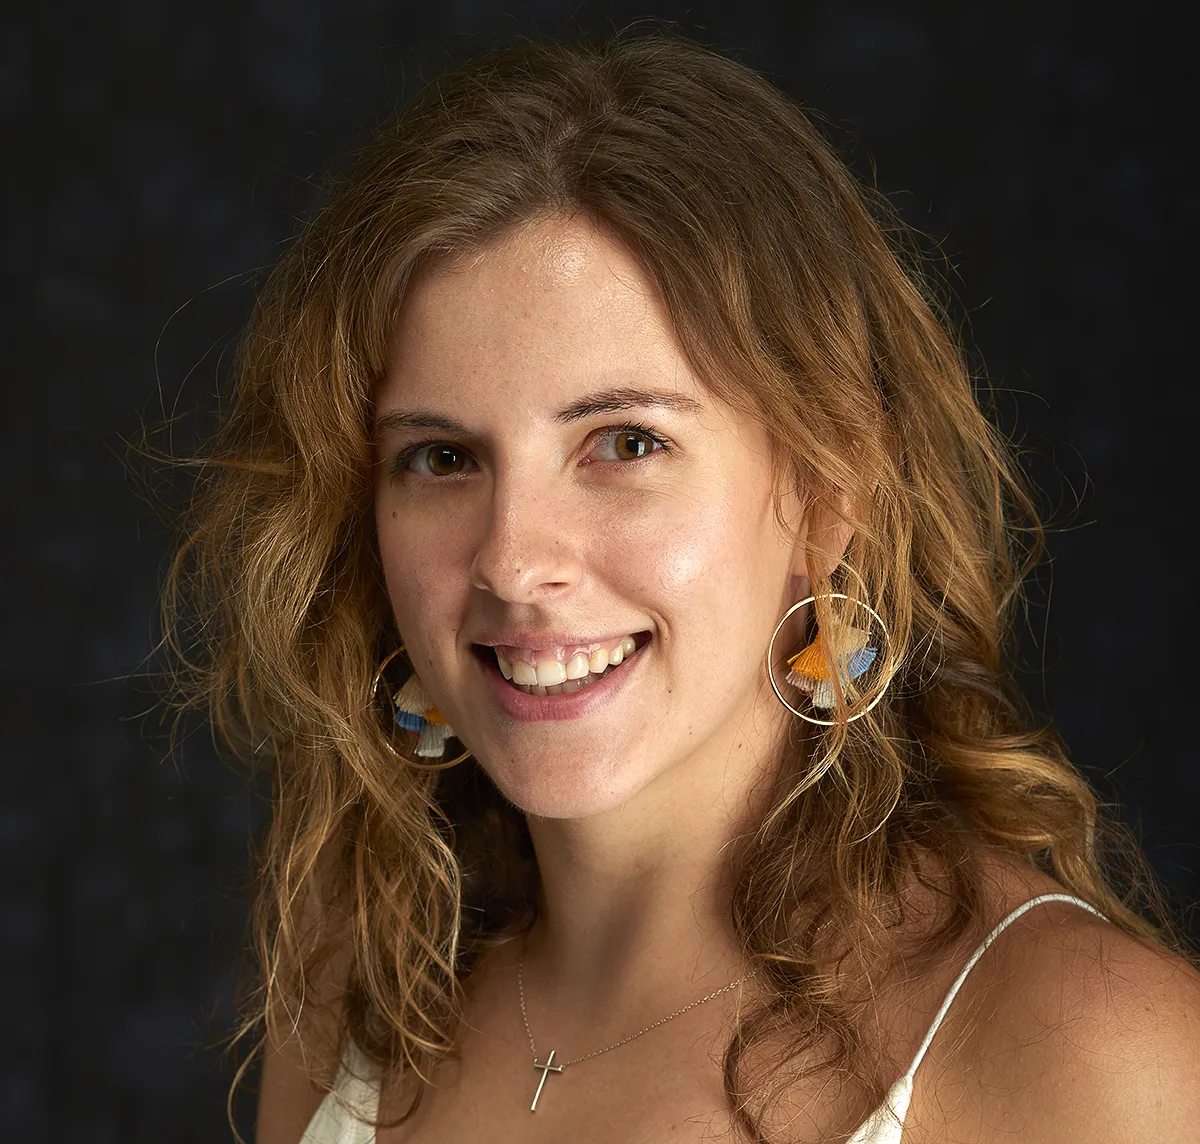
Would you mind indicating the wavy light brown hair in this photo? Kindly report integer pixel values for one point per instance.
(793, 303)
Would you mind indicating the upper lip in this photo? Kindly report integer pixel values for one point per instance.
(514, 637)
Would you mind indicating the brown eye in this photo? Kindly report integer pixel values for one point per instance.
(628, 443)
(439, 460)
(629, 447)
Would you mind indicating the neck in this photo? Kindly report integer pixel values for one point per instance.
(634, 910)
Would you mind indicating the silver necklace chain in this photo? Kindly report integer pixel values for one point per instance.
(623, 1040)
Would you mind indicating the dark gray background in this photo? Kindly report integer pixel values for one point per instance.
(159, 156)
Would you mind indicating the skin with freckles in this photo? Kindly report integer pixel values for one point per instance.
(525, 521)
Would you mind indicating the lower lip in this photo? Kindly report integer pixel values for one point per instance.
(544, 708)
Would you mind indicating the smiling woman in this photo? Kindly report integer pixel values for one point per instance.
(544, 537)
(607, 553)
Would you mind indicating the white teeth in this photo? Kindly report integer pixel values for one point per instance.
(524, 674)
(553, 677)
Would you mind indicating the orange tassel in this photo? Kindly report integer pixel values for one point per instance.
(810, 661)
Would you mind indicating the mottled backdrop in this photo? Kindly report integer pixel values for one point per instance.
(161, 153)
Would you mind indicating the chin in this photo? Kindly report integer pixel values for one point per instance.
(545, 788)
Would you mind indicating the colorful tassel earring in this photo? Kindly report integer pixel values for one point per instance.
(810, 671)
(416, 712)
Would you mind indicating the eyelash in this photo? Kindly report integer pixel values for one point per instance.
(399, 464)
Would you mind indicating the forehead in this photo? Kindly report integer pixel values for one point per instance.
(554, 316)
(559, 294)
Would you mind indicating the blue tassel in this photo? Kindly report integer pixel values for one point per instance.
(410, 722)
(860, 661)
(822, 690)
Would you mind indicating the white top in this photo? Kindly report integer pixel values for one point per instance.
(356, 1089)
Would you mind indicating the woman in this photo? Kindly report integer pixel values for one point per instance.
(608, 555)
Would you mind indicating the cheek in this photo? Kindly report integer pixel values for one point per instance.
(710, 561)
(419, 561)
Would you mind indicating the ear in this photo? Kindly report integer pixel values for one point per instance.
(822, 537)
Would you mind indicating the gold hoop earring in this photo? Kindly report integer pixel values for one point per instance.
(415, 712)
(810, 668)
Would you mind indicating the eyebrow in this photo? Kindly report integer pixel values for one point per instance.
(616, 400)
(398, 420)
(622, 398)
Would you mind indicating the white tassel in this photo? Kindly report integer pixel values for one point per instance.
(822, 695)
(412, 698)
(804, 682)
(432, 742)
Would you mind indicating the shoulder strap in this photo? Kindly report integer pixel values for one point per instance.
(347, 1114)
(1001, 926)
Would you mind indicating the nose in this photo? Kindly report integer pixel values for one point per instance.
(529, 553)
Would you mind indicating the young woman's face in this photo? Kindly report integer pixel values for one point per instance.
(553, 480)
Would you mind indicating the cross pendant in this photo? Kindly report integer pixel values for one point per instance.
(547, 1068)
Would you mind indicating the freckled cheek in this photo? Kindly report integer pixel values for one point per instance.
(418, 567)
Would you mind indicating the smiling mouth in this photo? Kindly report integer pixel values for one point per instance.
(489, 657)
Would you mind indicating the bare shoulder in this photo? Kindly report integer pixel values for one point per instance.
(1069, 1030)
